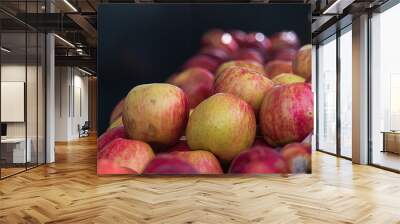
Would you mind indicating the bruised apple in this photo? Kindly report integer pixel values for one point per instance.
(244, 83)
(302, 62)
(297, 157)
(155, 113)
(197, 83)
(127, 153)
(108, 136)
(203, 161)
(261, 160)
(222, 124)
(169, 164)
(286, 114)
(277, 67)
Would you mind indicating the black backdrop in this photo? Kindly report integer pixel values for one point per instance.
(145, 43)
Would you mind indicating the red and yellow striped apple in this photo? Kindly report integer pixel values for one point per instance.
(241, 63)
(108, 136)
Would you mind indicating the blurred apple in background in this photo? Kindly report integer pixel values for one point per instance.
(240, 37)
(222, 124)
(261, 160)
(169, 164)
(285, 40)
(197, 83)
(250, 55)
(286, 114)
(219, 54)
(202, 61)
(287, 54)
(108, 136)
(244, 83)
(302, 62)
(156, 113)
(220, 39)
(241, 63)
(127, 153)
(297, 157)
(276, 67)
(287, 78)
(203, 161)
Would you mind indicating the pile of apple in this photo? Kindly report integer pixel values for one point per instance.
(242, 105)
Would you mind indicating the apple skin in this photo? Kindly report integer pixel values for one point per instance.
(286, 114)
(287, 54)
(241, 63)
(117, 111)
(284, 40)
(202, 61)
(108, 136)
(244, 83)
(169, 164)
(156, 113)
(261, 160)
(105, 166)
(287, 78)
(197, 83)
(250, 55)
(297, 157)
(127, 153)
(302, 62)
(277, 67)
(220, 39)
(222, 124)
(117, 123)
(203, 161)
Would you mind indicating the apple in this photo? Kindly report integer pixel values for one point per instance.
(240, 37)
(117, 123)
(261, 160)
(169, 164)
(105, 166)
(155, 113)
(127, 153)
(287, 78)
(276, 67)
(180, 146)
(259, 41)
(287, 54)
(241, 63)
(219, 54)
(244, 83)
(220, 39)
(202, 61)
(203, 161)
(297, 157)
(197, 83)
(249, 54)
(284, 40)
(117, 111)
(302, 62)
(108, 136)
(222, 124)
(286, 114)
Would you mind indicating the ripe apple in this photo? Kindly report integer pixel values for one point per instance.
(202, 61)
(297, 157)
(169, 164)
(105, 166)
(127, 153)
(219, 54)
(222, 124)
(197, 83)
(287, 54)
(108, 136)
(286, 114)
(249, 54)
(276, 67)
(284, 40)
(156, 113)
(302, 62)
(287, 78)
(220, 39)
(244, 83)
(203, 161)
(241, 63)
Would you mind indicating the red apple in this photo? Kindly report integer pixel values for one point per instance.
(202, 61)
(220, 39)
(169, 164)
(249, 54)
(302, 62)
(260, 42)
(285, 39)
(222, 124)
(105, 166)
(286, 114)
(117, 111)
(239, 36)
(180, 146)
(297, 157)
(258, 161)
(127, 153)
(108, 136)
(241, 63)
(287, 54)
(218, 54)
(197, 83)
(287, 78)
(203, 161)
(276, 67)
(156, 113)
(244, 83)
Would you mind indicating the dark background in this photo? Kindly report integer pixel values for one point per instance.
(145, 43)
